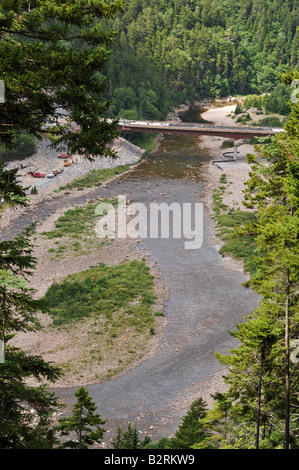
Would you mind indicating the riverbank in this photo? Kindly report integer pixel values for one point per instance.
(177, 112)
(45, 160)
(206, 300)
(73, 348)
(177, 364)
(236, 172)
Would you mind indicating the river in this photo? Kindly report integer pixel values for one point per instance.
(206, 299)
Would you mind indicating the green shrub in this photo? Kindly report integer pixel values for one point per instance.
(278, 100)
(255, 101)
(102, 291)
(271, 121)
(239, 109)
(243, 118)
(95, 178)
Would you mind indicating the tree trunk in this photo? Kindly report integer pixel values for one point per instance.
(287, 364)
(258, 418)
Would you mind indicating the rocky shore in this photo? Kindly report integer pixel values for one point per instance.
(68, 345)
(46, 160)
(237, 171)
(47, 271)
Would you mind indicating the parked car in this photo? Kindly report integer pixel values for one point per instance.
(63, 155)
(37, 174)
(51, 175)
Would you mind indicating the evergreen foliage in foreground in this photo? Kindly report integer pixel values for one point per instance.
(51, 59)
(191, 429)
(262, 378)
(25, 411)
(84, 422)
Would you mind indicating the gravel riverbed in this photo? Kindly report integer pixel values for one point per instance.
(179, 364)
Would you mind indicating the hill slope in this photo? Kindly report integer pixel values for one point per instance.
(176, 50)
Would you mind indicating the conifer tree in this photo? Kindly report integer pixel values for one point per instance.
(11, 192)
(190, 431)
(25, 411)
(51, 59)
(127, 439)
(264, 383)
(84, 422)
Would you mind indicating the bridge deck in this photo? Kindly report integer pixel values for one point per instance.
(197, 129)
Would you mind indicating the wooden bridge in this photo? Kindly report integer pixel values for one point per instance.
(233, 132)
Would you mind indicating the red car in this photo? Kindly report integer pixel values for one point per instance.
(37, 174)
(63, 155)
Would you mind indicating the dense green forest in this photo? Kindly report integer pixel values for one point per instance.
(170, 52)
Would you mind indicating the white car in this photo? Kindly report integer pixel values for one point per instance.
(51, 175)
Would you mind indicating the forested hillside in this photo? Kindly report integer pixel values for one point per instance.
(170, 51)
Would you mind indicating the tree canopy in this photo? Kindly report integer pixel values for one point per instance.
(51, 58)
(169, 52)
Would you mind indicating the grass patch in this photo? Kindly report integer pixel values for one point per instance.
(78, 224)
(270, 121)
(218, 205)
(74, 223)
(159, 314)
(228, 220)
(121, 295)
(241, 248)
(235, 218)
(223, 179)
(95, 178)
(106, 317)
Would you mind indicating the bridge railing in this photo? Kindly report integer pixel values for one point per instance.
(158, 124)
